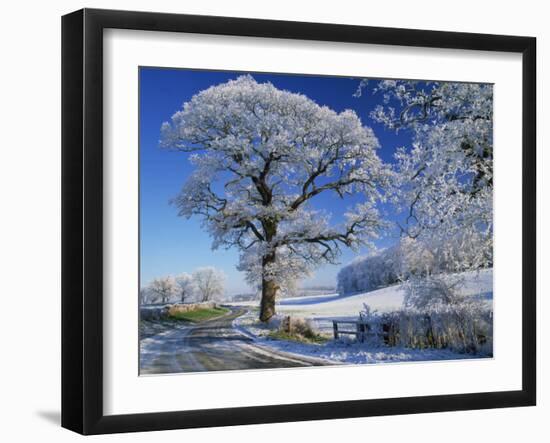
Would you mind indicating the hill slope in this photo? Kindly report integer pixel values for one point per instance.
(383, 300)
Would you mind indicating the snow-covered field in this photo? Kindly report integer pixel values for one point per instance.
(321, 310)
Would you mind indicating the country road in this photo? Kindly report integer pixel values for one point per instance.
(213, 345)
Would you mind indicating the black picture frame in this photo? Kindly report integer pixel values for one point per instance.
(82, 218)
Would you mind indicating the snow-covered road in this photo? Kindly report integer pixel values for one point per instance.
(213, 345)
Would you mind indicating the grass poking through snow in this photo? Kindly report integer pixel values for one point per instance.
(199, 315)
(282, 335)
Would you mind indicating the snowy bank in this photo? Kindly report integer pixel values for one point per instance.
(341, 351)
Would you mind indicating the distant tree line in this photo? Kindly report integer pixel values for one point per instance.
(204, 284)
(412, 258)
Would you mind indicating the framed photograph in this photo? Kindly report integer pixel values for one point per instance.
(269, 221)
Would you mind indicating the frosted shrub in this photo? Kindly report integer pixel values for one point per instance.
(382, 328)
(373, 320)
(297, 326)
(434, 292)
(436, 315)
(457, 328)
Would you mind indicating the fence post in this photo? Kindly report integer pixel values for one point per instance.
(335, 329)
(361, 331)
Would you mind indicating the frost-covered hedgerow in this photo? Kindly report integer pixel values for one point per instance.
(457, 329)
(436, 315)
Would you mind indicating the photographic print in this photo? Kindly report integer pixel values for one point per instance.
(292, 220)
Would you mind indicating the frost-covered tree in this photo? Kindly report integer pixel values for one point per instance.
(209, 283)
(444, 185)
(186, 286)
(445, 179)
(164, 289)
(262, 156)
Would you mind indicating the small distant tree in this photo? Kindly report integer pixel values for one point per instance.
(185, 286)
(209, 283)
(164, 288)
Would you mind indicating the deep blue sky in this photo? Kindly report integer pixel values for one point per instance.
(171, 244)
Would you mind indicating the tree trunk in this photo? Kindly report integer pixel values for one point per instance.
(267, 306)
(269, 292)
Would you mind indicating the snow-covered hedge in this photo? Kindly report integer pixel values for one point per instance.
(458, 329)
(437, 314)
(165, 311)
